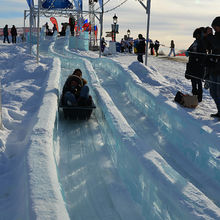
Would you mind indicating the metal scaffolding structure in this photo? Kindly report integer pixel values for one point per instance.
(92, 22)
(35, 12)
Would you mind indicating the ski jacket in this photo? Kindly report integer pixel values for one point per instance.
(197, 56)
(67, 86)
(141, 46)
(5, 31)
(54, 28)
(13, 31)
(172, 45)
(213, 44)
(156, 45)
(72, 23)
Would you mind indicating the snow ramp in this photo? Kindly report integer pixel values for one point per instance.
(135, 158)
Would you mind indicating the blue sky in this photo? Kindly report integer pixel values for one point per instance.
(170, 19)
(12, 9)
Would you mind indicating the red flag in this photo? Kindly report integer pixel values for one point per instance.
(86, 27)
(76, 26)
(54, 21)
(181, 54)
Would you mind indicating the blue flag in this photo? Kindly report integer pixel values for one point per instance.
(101, 3)
(78, 4)
(30, 3)
(54, 4)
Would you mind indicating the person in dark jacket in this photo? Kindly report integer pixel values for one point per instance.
(151, 47)
(72, 24)
(103, 44)
(140, 48)
(63, 30)
(13, 34)
(195, 68)
(71, 90)
(172, 49)
(5, 32)
(156, 46)
(213, 45)
(75, 90)
(54, 28)
(48, 32)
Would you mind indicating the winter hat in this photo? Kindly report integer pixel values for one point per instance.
(197, 32)
(216, 22)
(77, 72)
(140, 36)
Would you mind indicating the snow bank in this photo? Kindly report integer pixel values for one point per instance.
(45, 195)
(141, 172)
(192, 147)
(140, 166)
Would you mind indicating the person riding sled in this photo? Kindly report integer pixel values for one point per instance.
(75, 91)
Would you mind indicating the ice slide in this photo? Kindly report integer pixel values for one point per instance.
(129, 157)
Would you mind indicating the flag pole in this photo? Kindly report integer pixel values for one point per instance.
(147, 8)
(101, 28)
(38, 30)
(148, 25)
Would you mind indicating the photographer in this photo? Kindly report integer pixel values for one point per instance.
(140, 48)
(195, 68)
(213, 45)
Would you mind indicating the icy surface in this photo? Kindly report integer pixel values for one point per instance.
(140, 156)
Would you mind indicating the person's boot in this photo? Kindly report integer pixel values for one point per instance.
(199, 98)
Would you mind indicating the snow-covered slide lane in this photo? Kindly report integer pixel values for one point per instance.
(153, 183)
(136, 180)
(88, 178)
(157, 122)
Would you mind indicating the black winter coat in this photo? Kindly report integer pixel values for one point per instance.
(213, 44)
(141, 46)
(5, 31)
(196, 64)
(156, 45)
(13, 31)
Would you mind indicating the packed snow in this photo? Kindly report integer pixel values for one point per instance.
(139, 156)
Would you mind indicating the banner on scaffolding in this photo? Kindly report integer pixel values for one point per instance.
(30, 3)
(101, 3)
(56, 4)
(54, 21)
(78, 4)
